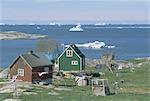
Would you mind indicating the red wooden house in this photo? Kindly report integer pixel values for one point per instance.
(31, 67)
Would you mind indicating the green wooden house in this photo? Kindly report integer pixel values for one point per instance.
(71, 59)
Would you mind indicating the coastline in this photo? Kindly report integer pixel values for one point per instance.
(93, 62)
(14, 35)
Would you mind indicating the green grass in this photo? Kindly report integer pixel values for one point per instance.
(136, 87)
(2, 80)
(136, 61)
(5, 96)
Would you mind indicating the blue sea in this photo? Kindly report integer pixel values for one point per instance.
(130, 41)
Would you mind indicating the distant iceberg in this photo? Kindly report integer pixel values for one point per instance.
(31, 24)
(110, 46)
(77, 28)
(38, 27)
(13, 35)
(2, 24)
(90, 45)
(98, 24)
(93, 45)
(54, 23)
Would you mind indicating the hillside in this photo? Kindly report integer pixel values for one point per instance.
(135, 87)
(13, 35)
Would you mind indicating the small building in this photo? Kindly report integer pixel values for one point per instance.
(31, 67)
(81, 81)
(100, 87)
(71, 59)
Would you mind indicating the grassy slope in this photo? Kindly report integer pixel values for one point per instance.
(135, 88)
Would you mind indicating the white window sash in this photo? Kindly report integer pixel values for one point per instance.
(74, 62)
(69, 53)
(20, 72)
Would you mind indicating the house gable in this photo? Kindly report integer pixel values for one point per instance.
(70, 63)
(26, 66)
(21, 69)
(19, 58)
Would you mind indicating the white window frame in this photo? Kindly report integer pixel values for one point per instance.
(69, 53)
(20, 72)
(74, 62)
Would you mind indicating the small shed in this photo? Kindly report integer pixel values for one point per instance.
(100, 87)
(81, 80)
(31, 67)
(72, 59)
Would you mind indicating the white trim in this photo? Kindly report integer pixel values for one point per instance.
(60, 56)
(20, 72)
(16, 60)
(74, 62)
(13, 61)
(26, 62)
(69, 53)
(79, 57)
(63, 52)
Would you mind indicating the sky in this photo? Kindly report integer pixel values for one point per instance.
(45, 11)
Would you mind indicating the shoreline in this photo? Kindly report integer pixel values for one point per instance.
(93, 62)
(14, 35)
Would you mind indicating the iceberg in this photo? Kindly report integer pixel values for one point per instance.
(77, 28)
(54, 23)
(13, 35)
(90, 45)
(110, 46)
(98, 24)
(38, 27)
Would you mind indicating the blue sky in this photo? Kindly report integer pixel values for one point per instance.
(134, 11)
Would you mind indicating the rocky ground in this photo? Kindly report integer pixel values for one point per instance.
(13, 35)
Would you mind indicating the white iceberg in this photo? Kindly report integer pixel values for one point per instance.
(38, 27)
(98, 24)
(92, 45)
(77, 28)
(54, 23)
(110, 46)
(31, 24)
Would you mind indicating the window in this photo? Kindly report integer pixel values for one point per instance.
(20, 72)
(74, 62)
(69, 53)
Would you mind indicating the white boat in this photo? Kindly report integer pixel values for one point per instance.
(76, 29)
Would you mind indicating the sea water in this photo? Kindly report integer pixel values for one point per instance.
(130, 41)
